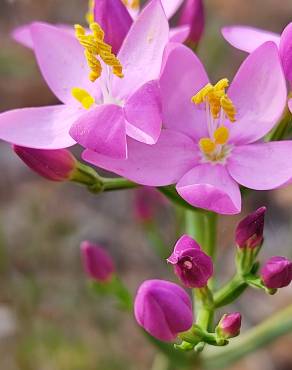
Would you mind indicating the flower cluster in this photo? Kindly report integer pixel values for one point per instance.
(167, 318)
(116, 84)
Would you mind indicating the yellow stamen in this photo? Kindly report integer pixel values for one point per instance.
(134, 4)
(221, 135)
(217, 99)
(228, 107)
(200, 97)
(207, 145)
(95, 46)
(90, 14)
(83, 97)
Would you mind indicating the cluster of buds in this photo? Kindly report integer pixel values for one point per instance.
(164, 309)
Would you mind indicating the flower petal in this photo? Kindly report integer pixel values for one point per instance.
(210, 187)
(156, 165)
(61, 60)
(248, 38)
(185, 242)
(261, 166)
(39, 128)
(143, 112)
(114, 19)
(22, 35)
(171, 6)
(142, 50)
(103, 130)
(182, 76)
(179, 34)
(286, 51)
(259, 94)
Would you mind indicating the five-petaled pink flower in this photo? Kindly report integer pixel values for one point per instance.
(208, 158)
(99, 115)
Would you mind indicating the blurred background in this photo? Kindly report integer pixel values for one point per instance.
(48, 318)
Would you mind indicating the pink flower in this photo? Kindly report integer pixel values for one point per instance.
(163, 309)
(97, 262)
(249, 38)
(210, 179)
(193, 267)
(54, 165)
(102, 114)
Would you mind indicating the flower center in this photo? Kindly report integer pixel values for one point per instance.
(132, 4)
(96, 50)
(219, 107)
(187, 264)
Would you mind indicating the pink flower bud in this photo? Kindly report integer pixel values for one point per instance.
(163, 309)
(229, 326)
(277, 272)
(192, 14)
(249, 231)
(97, 262)
(147, 202)
(115, 20)
(193, 267)
(54, 165)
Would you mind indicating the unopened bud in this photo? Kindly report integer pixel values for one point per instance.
(249, 231)
(163, 309)
(229, 326)
(277, 272)
(97, 262)
(192, 14)
(54, 165)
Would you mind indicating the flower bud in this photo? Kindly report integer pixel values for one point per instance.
(192, 14)
(54, 165)
(249, 231)
(277, 272)
(163, 309)
(193, 267)
(229, 326)
(147, 202)
(97, 262)
(114, 19)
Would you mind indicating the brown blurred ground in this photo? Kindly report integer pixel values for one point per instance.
(48, 319)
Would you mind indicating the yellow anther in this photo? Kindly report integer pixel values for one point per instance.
(134, 4)
(90, 14)
(95, 46)
(217, 99)
(83, 97)
(207, 146)
(221, 135)
(228, 107)
(221, 84)
(201, 95)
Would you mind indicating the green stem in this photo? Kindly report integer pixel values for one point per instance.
(210, 234)
(118, 183)
(195, 225)
(232, 290)
(87, 176)
(260, 336)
